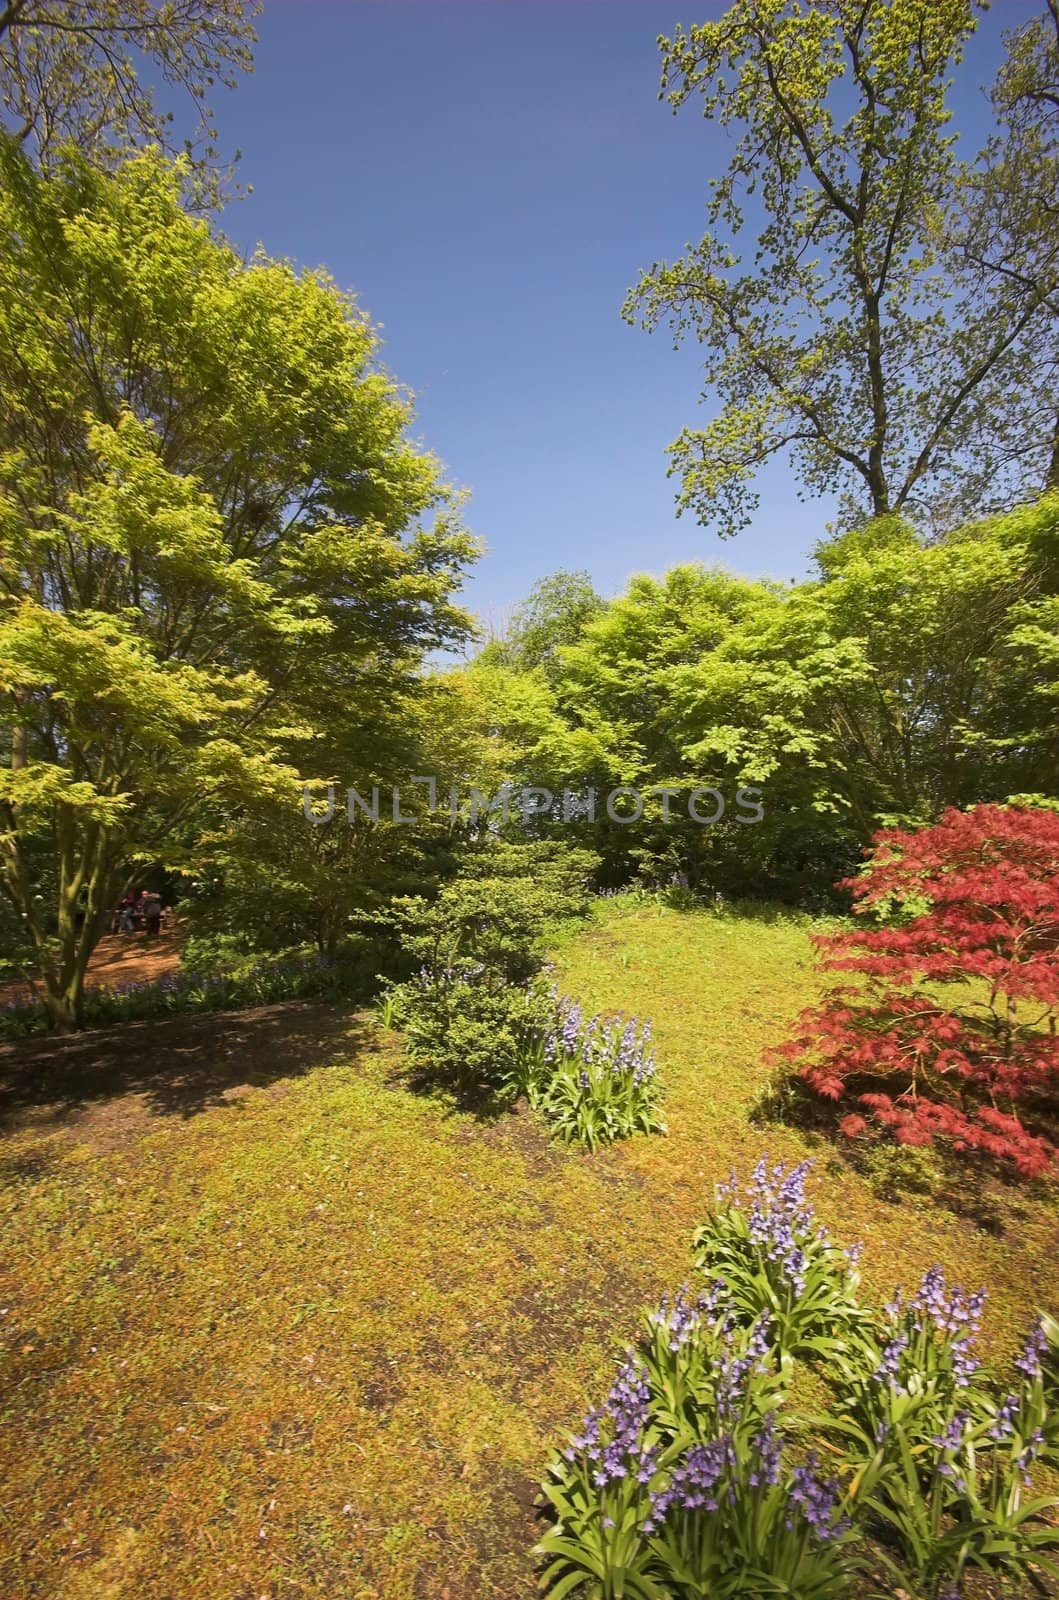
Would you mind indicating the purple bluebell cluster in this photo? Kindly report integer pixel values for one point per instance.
(768, 1448)
(617, 1048)
(817, 1498)
(950, 1312)
(889, 1365)
(950, 1442)
(680, 1319)
(1003, 1425)
(695, 1483)
(780, 1221)
(626, 1410)
(732, 1371)
(1028, 1455)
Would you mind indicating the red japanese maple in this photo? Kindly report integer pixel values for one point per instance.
(951, 1032)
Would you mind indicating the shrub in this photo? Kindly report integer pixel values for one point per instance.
(697, 1476)
(953, 1035)
(472, 1012)
(470, 1026)
(594, 1080)
(777, 1261)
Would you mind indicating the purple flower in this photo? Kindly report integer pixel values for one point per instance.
(952, 1437)
(767, 1444)
(1029, 1362)
(949, 1442)
(890, 1362)
(1004, 1424)
(1028, 1454)
(817, 1500)
(694, 1482)
(951, 1313)
(685, 1316)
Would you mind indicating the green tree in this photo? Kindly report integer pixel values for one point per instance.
(1001, 238)
(905, 678)
(910, 679)
(69, 69)
(553, 615)
(215, 574)
(855, 339)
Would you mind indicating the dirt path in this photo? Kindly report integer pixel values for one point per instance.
(121, 958)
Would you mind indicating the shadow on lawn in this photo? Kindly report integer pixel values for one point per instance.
(986, 1194)
(173, 1066)
(452, 1097)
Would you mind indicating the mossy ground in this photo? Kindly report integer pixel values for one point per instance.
(275, 1325)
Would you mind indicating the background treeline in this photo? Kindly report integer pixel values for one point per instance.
(906, 677)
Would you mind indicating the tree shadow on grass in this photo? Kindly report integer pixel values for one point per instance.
(451, 1097)
(971, 1187)
(170, 1067)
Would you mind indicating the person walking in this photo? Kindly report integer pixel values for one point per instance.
(127, 914)
(151, 906)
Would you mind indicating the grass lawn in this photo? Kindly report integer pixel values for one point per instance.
(275, 1326)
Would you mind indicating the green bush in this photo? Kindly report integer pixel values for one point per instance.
(471, 1012)
(470, 1027)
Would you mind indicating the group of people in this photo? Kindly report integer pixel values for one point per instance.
(140, 908)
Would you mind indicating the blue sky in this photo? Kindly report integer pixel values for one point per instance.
(489, 177)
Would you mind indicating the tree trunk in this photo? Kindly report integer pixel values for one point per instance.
(1051, 478)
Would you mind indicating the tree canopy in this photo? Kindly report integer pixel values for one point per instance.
(70, 71)
(892, 326)
(221, 561)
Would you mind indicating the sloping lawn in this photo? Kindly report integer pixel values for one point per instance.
(274, 1325)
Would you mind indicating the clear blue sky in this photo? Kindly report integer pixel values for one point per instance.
(490, 176)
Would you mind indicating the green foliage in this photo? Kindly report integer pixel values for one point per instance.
(669, 1490)
(906, 677)
(896, 1170)
(552, 616)
(886, 329)
(214, 579)
(469, 1028)
(472, 1012)
(777, 1262)
(204, 987)
(699, 1476)
(68, 71)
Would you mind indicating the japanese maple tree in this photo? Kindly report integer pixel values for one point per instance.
(950, 1032)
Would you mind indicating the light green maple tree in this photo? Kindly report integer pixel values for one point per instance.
(221, 559)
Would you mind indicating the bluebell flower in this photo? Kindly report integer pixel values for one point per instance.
(1003, 1425)
(816, 1499)
(1029, 1362)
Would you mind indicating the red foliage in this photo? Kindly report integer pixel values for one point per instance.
(975, 908)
